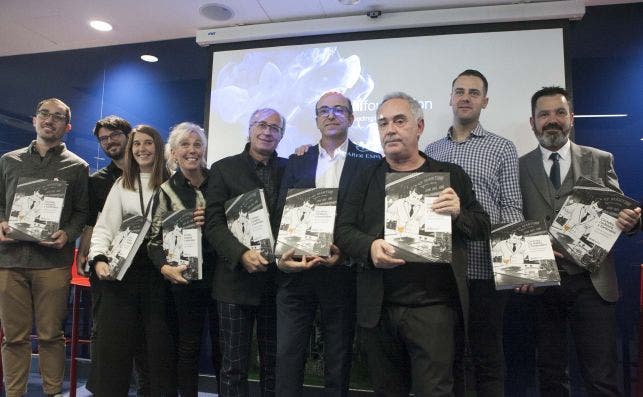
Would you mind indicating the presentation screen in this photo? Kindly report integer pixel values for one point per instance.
(291, 79)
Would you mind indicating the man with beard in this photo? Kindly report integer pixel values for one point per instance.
(34, 277)
(112, 133)
(492, 163)
(584, 301)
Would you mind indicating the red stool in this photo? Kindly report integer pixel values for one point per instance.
(78, 283)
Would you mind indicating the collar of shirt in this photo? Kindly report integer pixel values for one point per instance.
(256, 163)
(56, 149)
(477, 131)
(565, 160)
(340, 152)
(563, 152)
(329, 169)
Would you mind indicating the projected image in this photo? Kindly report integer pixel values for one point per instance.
(291, 79)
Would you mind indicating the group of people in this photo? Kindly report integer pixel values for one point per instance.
(416, 322)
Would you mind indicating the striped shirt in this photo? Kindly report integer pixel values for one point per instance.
(492, 164)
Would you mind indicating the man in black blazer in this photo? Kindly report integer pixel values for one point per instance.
(584, 301)
(411, 314)
(328, 283)
(244, 284)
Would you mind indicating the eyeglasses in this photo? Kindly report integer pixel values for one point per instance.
(112, 136)
(338, 110)
(44, 114)
(263, 126)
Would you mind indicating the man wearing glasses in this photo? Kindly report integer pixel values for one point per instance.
(34, 277)
(244, 281)
(328, 283)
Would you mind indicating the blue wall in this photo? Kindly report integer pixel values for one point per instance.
(606, 55)
(101, 81)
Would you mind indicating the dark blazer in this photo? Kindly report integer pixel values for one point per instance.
(302, 171)
(361, 221)
(540, 201)
(228, 178)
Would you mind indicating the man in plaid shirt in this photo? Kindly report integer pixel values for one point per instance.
(492, 163)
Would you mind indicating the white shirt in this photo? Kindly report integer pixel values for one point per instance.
(564, 159)
(329, 169)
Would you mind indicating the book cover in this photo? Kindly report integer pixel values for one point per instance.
(126, 243)
(249, 221)
(36, 208)
(182, 243)
(417, 232)
(585, 227)
(521, 253)
(308, 222)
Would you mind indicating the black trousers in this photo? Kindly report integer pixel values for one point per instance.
(132, 312)
(412, 349)
(592, 322)
(191, 305)
(333, 291)
(235, 332)
(141, 369)
(486, 310)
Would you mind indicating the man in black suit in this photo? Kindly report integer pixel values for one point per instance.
(328, 283)
(411, 314)
(244, 284)
(584, 301)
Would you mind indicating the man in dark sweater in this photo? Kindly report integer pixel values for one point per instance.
(411, 314)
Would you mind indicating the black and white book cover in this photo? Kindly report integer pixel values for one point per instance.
(521, 253)
(126, 243)
(36, 208)
(249, 221)
(182, 243)
(417, 232)
(308, 222)
(585, 227)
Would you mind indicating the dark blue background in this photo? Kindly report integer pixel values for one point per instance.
(605, 54)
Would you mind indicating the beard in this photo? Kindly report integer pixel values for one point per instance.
(552, 141)
(115, 155)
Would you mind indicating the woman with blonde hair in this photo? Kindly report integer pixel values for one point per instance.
(192, 300)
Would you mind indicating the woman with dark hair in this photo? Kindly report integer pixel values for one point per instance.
(131, 311)
(185, 153)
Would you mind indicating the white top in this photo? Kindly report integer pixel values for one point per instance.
(564, 159)
(120, 201)
(329, 169)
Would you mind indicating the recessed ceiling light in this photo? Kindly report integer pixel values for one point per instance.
(149, 58)
(348, 2)
(216, 12)
(100, 25)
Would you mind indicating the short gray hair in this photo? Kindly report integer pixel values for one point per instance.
(261, 114)
(177, 134)
(416, 108)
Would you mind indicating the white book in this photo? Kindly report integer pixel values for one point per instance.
(249, 221)
(36, 208)
(307, 222)
(521, 253)
(417, 232)
(182, 243)
(585, 228)
(126, 243)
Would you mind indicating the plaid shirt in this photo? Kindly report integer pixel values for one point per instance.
(492, 163)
